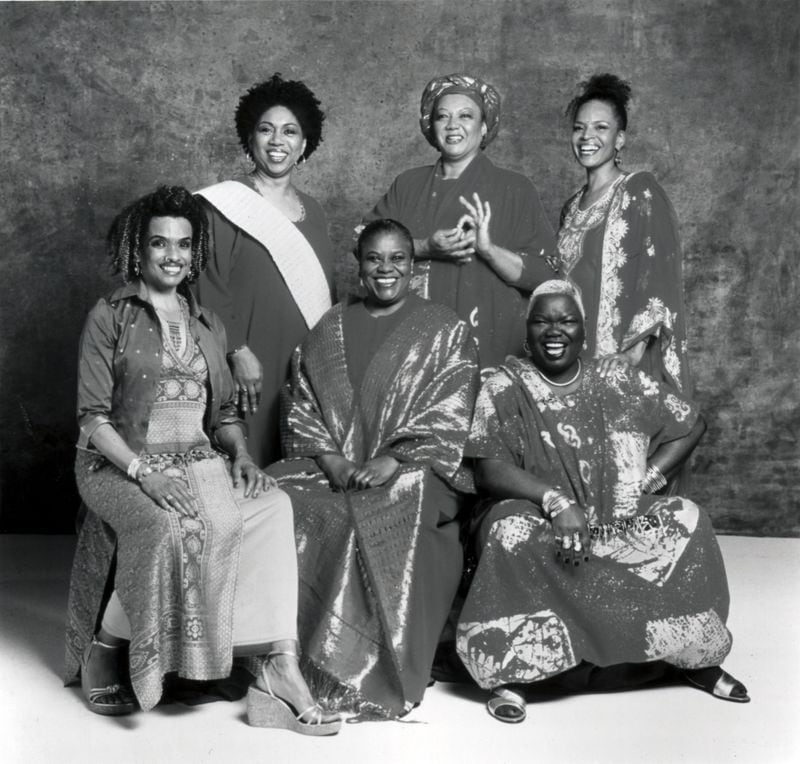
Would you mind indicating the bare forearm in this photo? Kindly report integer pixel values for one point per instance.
(231, 439)
(506, 264)
(111, 445)
(502, 480)
(670, 456)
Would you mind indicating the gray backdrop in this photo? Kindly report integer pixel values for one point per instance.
(102, 101)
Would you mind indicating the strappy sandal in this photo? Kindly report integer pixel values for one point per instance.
(507, 705)
(113, 700)
(266, 709)
(719, 683)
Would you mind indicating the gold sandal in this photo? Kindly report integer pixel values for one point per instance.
(113, 700)
(266, 709)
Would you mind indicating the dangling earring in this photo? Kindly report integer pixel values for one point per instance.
(137, 268)
(618, 158)
(249, 163)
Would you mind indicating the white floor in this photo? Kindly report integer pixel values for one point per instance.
(41, 721)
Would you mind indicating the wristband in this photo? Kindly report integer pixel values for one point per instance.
(654, 480)
(236, 350)
(554, 502)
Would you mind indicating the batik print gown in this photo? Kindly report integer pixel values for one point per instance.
(655, 586)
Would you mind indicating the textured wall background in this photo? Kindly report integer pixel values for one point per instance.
(102, 101)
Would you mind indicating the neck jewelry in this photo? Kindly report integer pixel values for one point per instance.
(561, 384)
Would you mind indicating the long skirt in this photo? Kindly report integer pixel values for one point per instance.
(654, 590)
(193, 589)
(379, 570)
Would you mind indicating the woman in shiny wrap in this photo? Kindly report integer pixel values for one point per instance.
(376, 415)
(481, 238)
(270, 265)
(619, 242)
(186, 554)
(582, 563)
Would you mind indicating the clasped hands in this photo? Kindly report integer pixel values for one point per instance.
(171, 493)
(344, 475)
(470, 236)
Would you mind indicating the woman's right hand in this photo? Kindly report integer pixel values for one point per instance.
(456, 245)
(571, 532)
(169, 493)
(338, 469)
(247, 374)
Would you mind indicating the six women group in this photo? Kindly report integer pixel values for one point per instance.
(374, 457)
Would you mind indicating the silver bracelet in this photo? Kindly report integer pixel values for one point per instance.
(654, 480)
(554, 502)
(133, 467)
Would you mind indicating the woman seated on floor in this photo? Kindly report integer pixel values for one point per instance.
(376, 414)
(200, 540)
(580, 562)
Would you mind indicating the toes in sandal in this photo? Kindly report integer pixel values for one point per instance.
(719, 683)
(112, 700)
(266, 709)
(507, 705)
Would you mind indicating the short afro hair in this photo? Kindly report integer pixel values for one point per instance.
(607, 88)
(382, 226)
(292, 95)
(128, 232)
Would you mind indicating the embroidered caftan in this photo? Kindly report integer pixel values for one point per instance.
(655, 586)
(624, 253)
(379, 568)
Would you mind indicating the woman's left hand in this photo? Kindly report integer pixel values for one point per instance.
(376, 472)
(571, 533)
(255, 480)
(608, 364)
(481, 215)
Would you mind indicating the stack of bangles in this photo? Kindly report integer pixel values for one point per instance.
(136, 466)
(554, 502)
(654, 480)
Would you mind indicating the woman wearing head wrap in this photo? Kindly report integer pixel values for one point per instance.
(479, 230)
(582, 565)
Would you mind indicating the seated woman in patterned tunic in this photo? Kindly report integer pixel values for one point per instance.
(376, 415)
(199, 541)
(582, 563)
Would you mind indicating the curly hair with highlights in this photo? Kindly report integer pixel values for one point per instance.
(607, 88)
(292, 95)
(128, 233)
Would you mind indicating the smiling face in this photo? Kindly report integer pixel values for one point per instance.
(166, 256)
(277, 142)
(385, 266)
(458, 126)
(596, 136)
(555, 335)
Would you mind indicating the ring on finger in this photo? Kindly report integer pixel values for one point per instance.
(567, 542)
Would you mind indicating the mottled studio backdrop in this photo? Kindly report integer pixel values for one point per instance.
(102, 101)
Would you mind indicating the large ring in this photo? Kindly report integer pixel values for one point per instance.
(578, 546)
(567, 542)
(168, 497)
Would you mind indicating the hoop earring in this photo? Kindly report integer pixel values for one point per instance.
(299, 163)
(526, 348)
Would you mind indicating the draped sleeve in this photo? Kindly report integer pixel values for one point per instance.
(435, 429)
(652, 308)
(497, 430)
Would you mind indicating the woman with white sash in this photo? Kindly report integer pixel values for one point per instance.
(271, 261)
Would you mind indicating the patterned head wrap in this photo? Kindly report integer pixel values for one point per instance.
(479, 91)
(558, 286)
